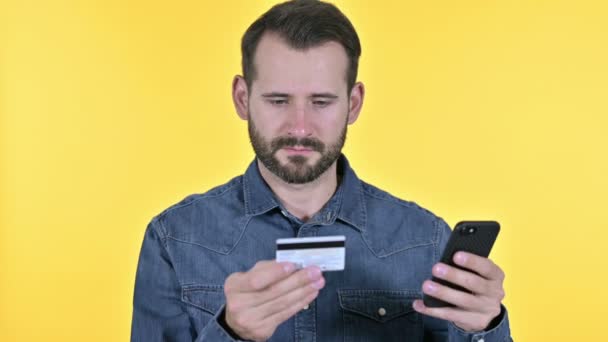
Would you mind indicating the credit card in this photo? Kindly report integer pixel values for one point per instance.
(326, 252)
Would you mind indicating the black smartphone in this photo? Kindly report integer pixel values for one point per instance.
(476, 237)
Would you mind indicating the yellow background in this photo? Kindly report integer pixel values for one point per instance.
(113, 110)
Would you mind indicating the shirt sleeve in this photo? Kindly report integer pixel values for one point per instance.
(158, 312)
(499, 333)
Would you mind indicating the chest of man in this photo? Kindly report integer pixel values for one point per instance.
(371, 300)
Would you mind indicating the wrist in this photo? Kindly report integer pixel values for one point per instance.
(221, 319)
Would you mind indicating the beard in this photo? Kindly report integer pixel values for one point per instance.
(297, 170)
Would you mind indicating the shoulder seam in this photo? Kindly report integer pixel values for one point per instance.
(405, 203)
(198, 197)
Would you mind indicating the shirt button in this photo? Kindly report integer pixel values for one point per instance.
(284, 213)
(382, 312)
(306, 308)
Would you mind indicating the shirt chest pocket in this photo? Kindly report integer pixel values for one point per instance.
(380, 315)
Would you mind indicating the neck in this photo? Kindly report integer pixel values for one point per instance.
(302, 200)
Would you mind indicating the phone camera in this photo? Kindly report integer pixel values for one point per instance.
(468, 230)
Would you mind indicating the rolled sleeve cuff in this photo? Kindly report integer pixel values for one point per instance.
(500, 333)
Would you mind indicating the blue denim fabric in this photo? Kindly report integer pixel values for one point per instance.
(190, 249)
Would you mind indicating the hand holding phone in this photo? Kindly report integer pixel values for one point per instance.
(467, 287)
(476, 237)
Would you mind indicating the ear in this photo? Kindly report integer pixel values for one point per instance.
(356, 102)
(240, 96)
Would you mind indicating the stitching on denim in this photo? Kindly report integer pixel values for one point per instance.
(363, 295)
(350, 223)
(196, 244)
(382, 256)
(362, 213)
(246, 220)
(436, 240)
(401, 202)
(263, 208)
(343, 321)
(229, 187)
(338, 208)
(246, 194)
(255, 210)
(298, 317)
(393, 199)
(383, 319)
(161, 231)
(194, 289)
(406, 248)
(363, 207)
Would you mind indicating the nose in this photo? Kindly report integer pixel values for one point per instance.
(300, 124)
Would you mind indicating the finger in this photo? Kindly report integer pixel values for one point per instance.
(283, 315)
(264, 274)
(468, 280)
(459, 298)
(482, 266)
(287, 300)
(302, 278)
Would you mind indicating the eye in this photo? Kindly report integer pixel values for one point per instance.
(277, 102)
(319, 103)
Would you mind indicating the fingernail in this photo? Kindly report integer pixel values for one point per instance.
(441, 270)
(318, 284)
(289, 267)
(430, 287)
(460, 258)
(314, 273)
(417, 305)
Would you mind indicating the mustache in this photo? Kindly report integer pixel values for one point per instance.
(312, 143)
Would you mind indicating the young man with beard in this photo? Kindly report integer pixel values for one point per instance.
(206, 270)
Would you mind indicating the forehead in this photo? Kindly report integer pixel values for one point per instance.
(280, 67)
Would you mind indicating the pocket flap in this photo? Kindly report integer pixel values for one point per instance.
(379, 305)
(207, 297)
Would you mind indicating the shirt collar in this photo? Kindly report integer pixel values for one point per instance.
(346, 204)
(258, 196)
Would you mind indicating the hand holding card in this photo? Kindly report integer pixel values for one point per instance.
(259, 300)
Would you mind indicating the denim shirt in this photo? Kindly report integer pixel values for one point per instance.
(191, 248)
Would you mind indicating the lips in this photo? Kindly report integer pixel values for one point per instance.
(292, 144)
(299, 149)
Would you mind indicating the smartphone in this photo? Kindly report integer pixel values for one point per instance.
(476, 237)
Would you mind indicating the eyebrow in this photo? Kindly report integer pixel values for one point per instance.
(315, 95)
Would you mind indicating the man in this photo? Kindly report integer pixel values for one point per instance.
(206, 270)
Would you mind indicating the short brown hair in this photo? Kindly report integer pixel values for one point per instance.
(303, 24)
